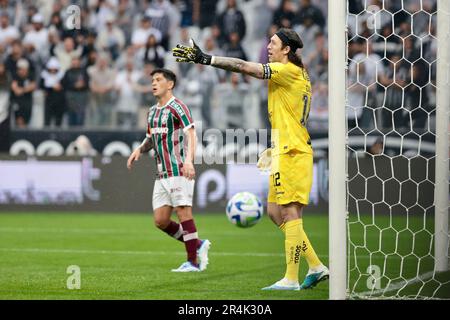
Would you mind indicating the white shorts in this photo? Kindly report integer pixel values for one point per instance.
(173, 191)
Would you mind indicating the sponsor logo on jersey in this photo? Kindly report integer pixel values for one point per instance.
(179, 109)
(160, 130)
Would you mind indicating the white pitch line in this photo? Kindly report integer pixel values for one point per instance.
(41, 250)
(109, 231)
(401, 284)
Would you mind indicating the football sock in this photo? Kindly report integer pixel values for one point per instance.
(175, 230)
(292, 246)
(308, 250)
(191, 240)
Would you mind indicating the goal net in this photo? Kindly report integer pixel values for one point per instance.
(397, 119)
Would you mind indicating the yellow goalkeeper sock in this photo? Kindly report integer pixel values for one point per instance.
(292, 245)
(308, 250)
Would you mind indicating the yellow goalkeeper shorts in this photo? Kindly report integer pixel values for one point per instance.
(291, 178)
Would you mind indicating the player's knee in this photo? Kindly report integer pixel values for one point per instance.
(161, 223)
(274, 214)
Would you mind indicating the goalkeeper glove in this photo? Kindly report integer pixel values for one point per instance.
(192, 54)
(265, 160)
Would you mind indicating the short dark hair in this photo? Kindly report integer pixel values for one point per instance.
(169, 75)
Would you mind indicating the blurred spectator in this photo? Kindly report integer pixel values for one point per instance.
(208, 79)
(141, 34)
(55, 100)
(129, 54)
(128, 101)
(91, 58)
(53, 40)
(21, 98)
(317, 62)
(389, 44)
(100, 10)
(57, 23)
(307, 32)
(410, 51)
(186, 8)
(159, 13)
(378, 147)
(101, 82)
(184, 40)
(234, 48)
(125, 12)
(216, 34)
(284, 15)
(10, 8)
(368, 65)
(4, 110)
(418, 96)
(66, 51)
(193, 98)
(111, 38)
(37, 37)
(230, 21)
(394, 79)
(8, 32)
(202, 6)
(152, 52)
(15, 55)
(76, 85)
(230, 97)
(318, 115)
(146, 97)
(309, 11)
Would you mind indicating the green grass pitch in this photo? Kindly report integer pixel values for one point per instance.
(123, 256)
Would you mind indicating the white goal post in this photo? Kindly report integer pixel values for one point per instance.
(340, 254)
(337, 148)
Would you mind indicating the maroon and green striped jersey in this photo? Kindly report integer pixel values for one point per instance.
(166, 126)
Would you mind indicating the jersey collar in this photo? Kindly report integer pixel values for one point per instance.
(168, 102)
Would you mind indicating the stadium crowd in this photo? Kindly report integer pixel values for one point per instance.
(90, 66)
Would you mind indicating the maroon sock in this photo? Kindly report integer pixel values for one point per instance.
(191, 241)
(174, 230)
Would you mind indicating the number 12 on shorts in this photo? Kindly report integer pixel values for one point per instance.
(276, 179)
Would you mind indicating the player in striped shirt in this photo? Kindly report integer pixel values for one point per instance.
(171, 133)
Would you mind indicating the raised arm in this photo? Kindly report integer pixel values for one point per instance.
(253, 69)
(195, 55)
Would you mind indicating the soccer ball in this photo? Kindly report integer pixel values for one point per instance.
(244, 209)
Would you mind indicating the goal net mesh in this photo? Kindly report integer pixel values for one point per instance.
(391, 132)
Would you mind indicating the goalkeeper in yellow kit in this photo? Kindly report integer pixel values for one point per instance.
(290, 157)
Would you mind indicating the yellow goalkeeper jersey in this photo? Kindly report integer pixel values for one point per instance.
(289, 102)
